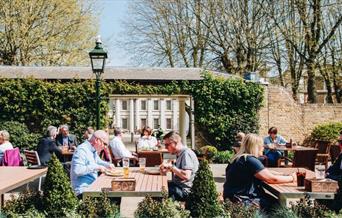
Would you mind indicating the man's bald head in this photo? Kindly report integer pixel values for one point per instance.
(100, 134)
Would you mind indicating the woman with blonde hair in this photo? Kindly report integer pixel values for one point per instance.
(245, 174)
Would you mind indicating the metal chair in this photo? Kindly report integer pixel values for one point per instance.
(32, 158)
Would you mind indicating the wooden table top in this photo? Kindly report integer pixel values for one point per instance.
(163, 150)
(67, 152)
(291, 189)
(294, 148)
(13, 177)
(145, 185)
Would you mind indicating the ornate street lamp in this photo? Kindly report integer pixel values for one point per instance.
(98, 59)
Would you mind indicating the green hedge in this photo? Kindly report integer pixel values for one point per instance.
(223, 107)
(39, 104)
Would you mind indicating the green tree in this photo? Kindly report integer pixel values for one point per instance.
(203, 199)
(58, 198)
(45, 32)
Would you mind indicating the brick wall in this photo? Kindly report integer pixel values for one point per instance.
(293, 120)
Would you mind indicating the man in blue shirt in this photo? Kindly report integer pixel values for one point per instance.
(86, 162)
(270, 143)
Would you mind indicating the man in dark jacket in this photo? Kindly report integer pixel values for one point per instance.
(66, 139)
(47, 146)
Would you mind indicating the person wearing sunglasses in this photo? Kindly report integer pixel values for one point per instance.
(86, 162)
(184, 170)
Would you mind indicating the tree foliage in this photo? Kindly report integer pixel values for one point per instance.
(295, 37)
(45, 32)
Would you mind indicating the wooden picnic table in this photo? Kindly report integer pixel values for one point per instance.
(290, 192)
(146, 184)
(293, 148)
(14, 177)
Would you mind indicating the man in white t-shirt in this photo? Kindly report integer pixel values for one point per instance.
(118, 148)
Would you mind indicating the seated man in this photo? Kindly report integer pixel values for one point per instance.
(185, 169)
(47, 146)
(118, 148)
(335, 171)
(64, 138)
(270, 142)
(86, 162)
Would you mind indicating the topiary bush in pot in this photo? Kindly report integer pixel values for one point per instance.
(58, 196)
(203, 198)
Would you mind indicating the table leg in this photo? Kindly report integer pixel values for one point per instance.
(2, 201)
(286, 154)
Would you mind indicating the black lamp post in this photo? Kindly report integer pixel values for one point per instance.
(98, 58)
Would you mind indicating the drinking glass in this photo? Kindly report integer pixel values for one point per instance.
(125, 164)
(320, 171)
(300, 177)
(142, 164)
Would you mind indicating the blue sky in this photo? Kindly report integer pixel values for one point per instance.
(112, 12)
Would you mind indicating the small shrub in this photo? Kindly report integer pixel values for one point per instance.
(235, 210)
(26, 201)
(327, 132)
(203, 198)
(283, 212)
(305, 208)
(20, 135)
(208, 152)
(98, 207)
(165, 208)
(58, 198)
(223, 157)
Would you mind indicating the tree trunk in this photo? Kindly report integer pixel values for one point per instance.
(329, 89)
(312, 95)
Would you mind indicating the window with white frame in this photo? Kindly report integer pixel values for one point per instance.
(143, 122)
(155, 123)
(168, 123)
(124, 123)
(168, 105)
(143, 105)
(155, 105)
(124, 105)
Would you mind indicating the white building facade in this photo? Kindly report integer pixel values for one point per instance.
(132, 112)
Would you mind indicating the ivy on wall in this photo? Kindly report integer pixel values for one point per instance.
(222, 106)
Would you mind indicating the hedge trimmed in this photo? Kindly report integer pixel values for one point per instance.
(223, 107)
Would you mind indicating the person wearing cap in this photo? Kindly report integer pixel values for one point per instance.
(86, 162)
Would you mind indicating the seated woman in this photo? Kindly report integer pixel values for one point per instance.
(270, 142)
(4, 143)
(335, 171)
(245, 174)
(147, 141)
